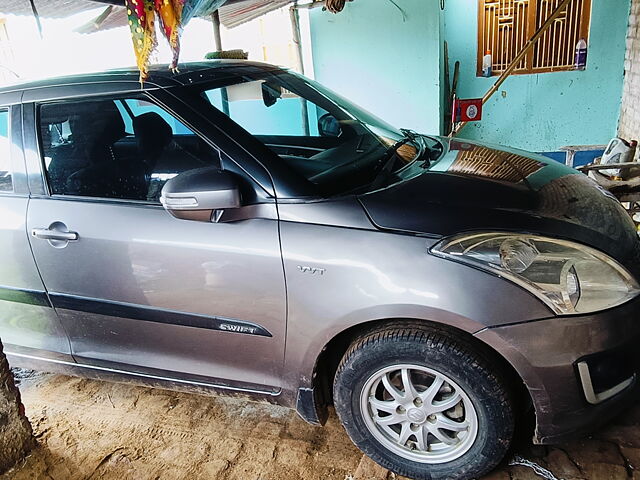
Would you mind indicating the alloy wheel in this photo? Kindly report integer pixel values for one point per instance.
(419, 413)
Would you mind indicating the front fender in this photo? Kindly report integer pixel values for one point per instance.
(371, 276)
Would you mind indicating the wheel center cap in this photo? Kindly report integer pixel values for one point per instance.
(416, 415)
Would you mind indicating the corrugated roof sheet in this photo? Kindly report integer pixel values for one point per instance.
(48, 8)
(111, 17)
(232, 13)
(237, 12)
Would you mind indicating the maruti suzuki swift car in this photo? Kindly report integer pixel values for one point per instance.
(238, 228)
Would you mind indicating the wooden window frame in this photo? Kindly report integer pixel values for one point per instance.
(528, 69)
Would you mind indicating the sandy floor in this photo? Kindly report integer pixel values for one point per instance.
(97, 430)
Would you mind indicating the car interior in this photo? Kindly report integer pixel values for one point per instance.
(104, 149)
(129, 148)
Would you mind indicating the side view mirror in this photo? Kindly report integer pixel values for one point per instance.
(201, 194)
(328, 126)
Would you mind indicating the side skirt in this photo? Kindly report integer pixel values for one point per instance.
(134, 378)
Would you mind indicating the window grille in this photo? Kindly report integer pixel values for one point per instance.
(505, 26)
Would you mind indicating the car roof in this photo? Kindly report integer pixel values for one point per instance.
(160, 76)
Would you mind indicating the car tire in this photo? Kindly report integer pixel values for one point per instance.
(417, 439)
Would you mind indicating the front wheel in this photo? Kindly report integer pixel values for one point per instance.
(424, 404)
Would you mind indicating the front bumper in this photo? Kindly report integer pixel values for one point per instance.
(580, 370)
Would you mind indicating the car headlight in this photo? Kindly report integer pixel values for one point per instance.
(569, 277)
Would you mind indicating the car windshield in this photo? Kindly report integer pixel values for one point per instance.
(327, 140)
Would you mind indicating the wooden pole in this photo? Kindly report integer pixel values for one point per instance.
(217, 38)
(295, 29)
(446, 123)
(36, 16)
(518, 58)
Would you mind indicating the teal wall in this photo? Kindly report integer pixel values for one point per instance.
(394, 68)
(387, 64)
(545, 111)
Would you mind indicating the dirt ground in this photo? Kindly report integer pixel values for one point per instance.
(88, 429)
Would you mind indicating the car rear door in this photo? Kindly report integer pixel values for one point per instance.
(29, 326)
(136, 289)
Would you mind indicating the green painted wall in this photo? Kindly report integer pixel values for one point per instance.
(545, 111)
(388, 64)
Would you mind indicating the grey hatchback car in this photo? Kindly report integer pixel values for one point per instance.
(239, 228)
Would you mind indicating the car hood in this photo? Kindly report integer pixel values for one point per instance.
(478, 187)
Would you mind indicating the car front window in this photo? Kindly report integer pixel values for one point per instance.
(116, 148)
(331, 143)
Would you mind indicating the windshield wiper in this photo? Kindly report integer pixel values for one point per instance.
(420, 141)
(389, 159)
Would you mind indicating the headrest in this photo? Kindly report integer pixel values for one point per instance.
(58, 112)
(108, 122)
(150, 126)
(98, 121)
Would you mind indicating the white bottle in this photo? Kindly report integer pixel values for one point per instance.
(581, 54)
(487, 63)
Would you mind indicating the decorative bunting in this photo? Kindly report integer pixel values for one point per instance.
(172, 15)
(141, 22)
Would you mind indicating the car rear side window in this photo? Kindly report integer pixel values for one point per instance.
(6, 184)
(123, 148)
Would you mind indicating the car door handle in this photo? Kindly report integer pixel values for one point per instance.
(48, 234)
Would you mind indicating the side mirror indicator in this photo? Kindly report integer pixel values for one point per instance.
(178, 202)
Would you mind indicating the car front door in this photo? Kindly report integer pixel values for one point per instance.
(136, 289)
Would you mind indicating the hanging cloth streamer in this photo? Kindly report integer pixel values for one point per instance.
(141, 22)
(172, 16)
(171, 21)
